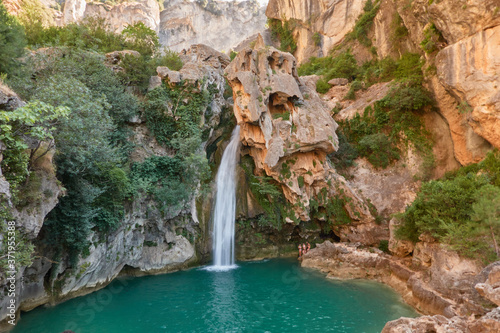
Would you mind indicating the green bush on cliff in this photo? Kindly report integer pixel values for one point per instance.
(92, 145)
(282, 31)
(394, 118)
(364, 23)
(461, 210)
(406, 69)
(12, 41)
(269, 195)
(34, 121)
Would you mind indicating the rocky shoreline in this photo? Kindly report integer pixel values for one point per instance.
(454, 295)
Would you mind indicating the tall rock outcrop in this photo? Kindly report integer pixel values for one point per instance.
(117, 16)
(319, 24)
(147, 241)
(470, 71)
(221, 25)
(467, 71)
(288, 132)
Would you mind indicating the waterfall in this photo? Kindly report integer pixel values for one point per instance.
(225, 205)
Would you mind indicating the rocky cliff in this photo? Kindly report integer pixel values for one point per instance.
(147, 241)
(180, 23)
(458, 47)
(319, 25)
(288, 132)
(117, 16)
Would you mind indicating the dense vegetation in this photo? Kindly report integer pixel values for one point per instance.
(12, 41)
(283, 32)
(81, 106)
(390, 123)
(461, 210)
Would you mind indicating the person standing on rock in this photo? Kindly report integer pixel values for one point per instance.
(300, 251)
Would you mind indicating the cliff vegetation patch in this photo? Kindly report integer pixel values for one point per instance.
(461, 210)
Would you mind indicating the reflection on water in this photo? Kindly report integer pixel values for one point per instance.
(224, 308)
(268, 296)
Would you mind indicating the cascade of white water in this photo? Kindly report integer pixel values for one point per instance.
(225, 204)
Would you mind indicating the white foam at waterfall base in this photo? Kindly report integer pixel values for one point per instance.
(225, 206)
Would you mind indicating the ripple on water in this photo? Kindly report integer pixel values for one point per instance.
(272, 296)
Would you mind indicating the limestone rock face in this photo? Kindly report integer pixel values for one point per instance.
(455, 19)
(117, 16)
(74, 10)
(331, 19)
(221, 25)
(460, 19)
(489, 323)
(490, 289)
(443, 285)
(288, 132)
(470, 70)
(8, 99)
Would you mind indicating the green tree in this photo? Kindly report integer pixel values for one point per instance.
(486, 211)
(35, 122)
(141, 38)
(12, 41)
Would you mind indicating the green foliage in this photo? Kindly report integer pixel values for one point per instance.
(355, 86)
(233, 55)
(406, 69)
(284, 115)
(392, 121)
(461, 210)
(379, 151)
(282, 31)
(35, 121)
(35, 16)
(170, 180)
(432, 38)
(300, 181)
(94, 34)
(331, 208)
(268, 194)
(464, 107)
(24, 248)
(174, 117)
(440, 204)
(12, 41)
(175, 112)
(384, 246)
(342, 66)
(138, 70)
(364, 23)
(316, 39)
(91, 141)
(344, 157)
(144, 39)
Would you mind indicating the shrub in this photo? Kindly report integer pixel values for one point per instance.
(432, 36)
(344, 157)
(439, 205)
(364, 23)
(12, 41)
(378, 149)
(283, 32)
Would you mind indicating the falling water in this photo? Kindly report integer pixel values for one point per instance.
(225, 205)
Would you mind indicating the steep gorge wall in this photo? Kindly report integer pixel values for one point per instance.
(288, 132)
(221, 25)
(467, 71)
(147, 240)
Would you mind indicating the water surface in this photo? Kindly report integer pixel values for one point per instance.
(265, 296)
